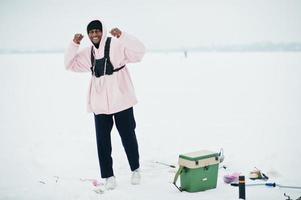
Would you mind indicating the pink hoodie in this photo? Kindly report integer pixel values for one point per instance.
(109, 93)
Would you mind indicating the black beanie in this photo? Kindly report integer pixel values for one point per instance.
(95, 24)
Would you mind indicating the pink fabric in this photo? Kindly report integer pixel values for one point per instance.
(230, 178)
(109, 93)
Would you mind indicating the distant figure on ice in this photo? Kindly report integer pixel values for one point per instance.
(185, 53)
(111, 93)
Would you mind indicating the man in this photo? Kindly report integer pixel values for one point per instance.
(111, 93)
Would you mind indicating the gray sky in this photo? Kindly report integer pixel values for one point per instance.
(48, 24)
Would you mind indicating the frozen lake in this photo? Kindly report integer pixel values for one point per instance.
(246, 103)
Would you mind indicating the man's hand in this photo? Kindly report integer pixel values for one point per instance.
(77, 38)
(116, 32)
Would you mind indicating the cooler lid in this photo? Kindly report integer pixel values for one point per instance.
(199, 155)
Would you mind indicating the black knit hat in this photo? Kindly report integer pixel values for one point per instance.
(95, 24)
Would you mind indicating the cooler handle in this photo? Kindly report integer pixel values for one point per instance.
(176, 178)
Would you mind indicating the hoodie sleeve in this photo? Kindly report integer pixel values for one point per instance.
(77, 61)
(132, 48)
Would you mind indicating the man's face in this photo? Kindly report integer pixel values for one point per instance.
(95, 35)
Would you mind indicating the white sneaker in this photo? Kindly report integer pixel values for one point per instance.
(110, 183)
(136, 177)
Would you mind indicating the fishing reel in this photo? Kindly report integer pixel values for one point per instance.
(221, 155)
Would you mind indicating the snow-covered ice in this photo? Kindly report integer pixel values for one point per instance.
(246, 103)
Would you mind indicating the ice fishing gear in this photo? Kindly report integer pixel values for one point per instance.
(165, 164)
(224, 167)
(221, 156)
(242, 187)
(269, 185)
(198, 171)
(257, 174)
(287, 197)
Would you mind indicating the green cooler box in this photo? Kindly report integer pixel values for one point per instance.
(198, 171)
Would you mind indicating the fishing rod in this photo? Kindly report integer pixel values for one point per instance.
(268, 185)
(168, 165)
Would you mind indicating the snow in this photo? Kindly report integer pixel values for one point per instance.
(246, 103)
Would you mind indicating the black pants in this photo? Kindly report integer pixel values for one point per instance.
(125, 124)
